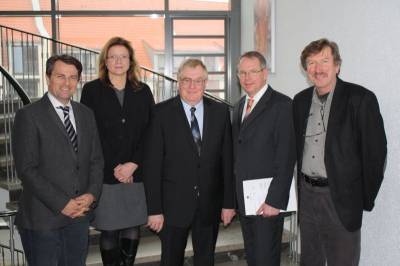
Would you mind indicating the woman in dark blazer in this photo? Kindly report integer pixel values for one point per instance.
(121, 104)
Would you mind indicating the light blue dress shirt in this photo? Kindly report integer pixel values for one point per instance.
(199, 113)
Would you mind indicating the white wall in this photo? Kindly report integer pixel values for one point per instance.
(368, 35)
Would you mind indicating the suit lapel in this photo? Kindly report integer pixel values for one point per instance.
(207, 124)
(112, 99)
(56, 119)
(237, 114)
(304, 110)
(258, 109)
(53, 115)
(182, 121)
(78, 123)
(338, 106)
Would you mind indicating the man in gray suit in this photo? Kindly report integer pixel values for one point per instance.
(264, 147)
(58, 158)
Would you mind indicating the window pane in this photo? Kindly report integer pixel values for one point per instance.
(218, 94)
(111, 5)
(213, 63)
(146, 35)
(202, 26)
(198, 45)
(25, 5)
(215, 82)
(26, 60)
(36, 25)
(214, 5)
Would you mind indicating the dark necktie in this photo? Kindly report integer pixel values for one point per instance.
(69, 128)
(194, 126)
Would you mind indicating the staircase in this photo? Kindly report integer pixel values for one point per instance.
(23, 58)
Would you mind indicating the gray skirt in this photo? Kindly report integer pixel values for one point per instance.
(120, 206)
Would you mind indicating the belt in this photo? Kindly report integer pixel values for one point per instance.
(316, 181)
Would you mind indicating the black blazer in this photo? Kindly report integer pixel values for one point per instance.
(174, 173)
(121, 128)
(50, 170)
(355, 148)
(264, 146)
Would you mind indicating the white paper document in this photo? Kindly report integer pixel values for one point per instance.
(255, 192)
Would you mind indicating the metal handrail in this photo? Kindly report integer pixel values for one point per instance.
(21, 92)
(160, 78)
(49, 39)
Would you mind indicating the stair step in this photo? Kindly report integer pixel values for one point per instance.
(229, 247)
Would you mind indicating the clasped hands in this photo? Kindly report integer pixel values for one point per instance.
(78, 206)
(124, 172)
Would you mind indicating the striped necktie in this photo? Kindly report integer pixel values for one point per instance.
(69, 128)
(250, 102)
(194, 126)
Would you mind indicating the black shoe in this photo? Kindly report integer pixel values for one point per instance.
(110, 257)
(128, 251)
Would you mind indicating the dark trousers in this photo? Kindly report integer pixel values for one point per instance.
(262, 239)
(174, 239)
(66, 246)
(323, 237)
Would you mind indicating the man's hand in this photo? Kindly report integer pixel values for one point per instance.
(73, 209)
(85, 200)
(267, 211)
(227, 215)
(155, 222)
(124, 172)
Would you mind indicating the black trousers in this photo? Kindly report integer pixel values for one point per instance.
(323, 237)
(174, 239)
(262, 239)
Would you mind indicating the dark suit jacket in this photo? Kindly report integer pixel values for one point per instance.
(121, 128)
(50, 171)
(355, 148)
(264, 146)
(174, 172)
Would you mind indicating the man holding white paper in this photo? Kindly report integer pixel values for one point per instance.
(264, 147)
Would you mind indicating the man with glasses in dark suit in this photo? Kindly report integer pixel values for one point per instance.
(341, 151)
(188, 169)
(264, 148)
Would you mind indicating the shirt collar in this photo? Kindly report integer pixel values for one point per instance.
(259, 94)
(187, 106)
(316, 100)
(56, 103)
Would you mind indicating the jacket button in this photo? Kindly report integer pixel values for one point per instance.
(123, 120)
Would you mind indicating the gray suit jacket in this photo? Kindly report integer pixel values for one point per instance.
(50, 171)
(264, 146)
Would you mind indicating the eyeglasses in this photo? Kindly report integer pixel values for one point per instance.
(322, 113)
(251, 73)
(115, 58)
(188, 82)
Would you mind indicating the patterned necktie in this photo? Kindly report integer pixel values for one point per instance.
(70, 129)
(250, 102)
(194, 126)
